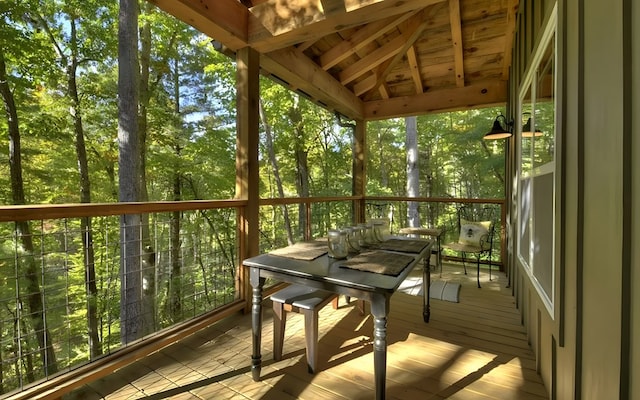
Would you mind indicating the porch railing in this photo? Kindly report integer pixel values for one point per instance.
(61, 293)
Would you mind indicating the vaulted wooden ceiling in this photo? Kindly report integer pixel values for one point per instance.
(370, 59)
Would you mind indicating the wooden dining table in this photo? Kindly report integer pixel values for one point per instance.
(373, 275)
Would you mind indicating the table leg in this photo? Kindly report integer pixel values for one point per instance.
(426, 288)
(256, 322)
(379, 311)
(478, 271)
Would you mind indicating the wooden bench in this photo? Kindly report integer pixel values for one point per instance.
(304, 300)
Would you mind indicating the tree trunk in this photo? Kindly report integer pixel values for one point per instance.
(149, 271)
(413, 173)
(352, 136)
(145, 96)
(2, 360)
(23, 232)
(175, 281)
(432, 207)
(276, 170)
(70, 67)
(384, 168)
(488, 153)
(95, 347)
(131, 326)
(302, 185)
(302, 166)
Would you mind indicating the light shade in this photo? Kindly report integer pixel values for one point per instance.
(526, 130)
(497, 131)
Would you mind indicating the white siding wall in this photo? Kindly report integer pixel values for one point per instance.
(603, 189)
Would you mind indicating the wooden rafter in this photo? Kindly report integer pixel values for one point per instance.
(456, 36)
(365, 85)
(359, 39)
(415, 68)
(222, 20)
(366, 58)
(372, 60)
(512, 6)
(411, 30)
(438, 100)
(384, 92)
(302, 73)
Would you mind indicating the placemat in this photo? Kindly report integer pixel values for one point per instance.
(380, 262)
(303, 250)
(404, 245)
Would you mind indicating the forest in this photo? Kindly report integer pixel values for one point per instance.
(63, 299)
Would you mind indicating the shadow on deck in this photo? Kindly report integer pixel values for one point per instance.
(474, 349)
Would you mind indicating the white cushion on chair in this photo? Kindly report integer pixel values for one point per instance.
(472, 232)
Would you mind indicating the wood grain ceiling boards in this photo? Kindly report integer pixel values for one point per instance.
(370, 59)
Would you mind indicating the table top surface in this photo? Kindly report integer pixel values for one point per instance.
(325, 269)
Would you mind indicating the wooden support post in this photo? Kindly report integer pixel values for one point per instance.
(247, 168)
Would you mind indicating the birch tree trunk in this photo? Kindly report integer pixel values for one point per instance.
(413, 173)
(431, 207)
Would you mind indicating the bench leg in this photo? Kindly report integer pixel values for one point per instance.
(311, 338)
(279, 322)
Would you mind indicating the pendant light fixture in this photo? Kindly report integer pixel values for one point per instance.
(498, 131)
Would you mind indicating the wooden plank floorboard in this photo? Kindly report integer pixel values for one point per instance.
(474, 349)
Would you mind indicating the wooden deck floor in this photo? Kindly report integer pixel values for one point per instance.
(475, 349)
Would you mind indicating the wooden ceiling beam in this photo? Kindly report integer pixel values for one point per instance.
(299, 72)
(468, 97)
(269, 30)
(415, 69)
(384, 91)
(333, 6)
(411, 30)
(456, 36)
(512, 10)
(225, 21)
(278, 17)
(371, 61)
(313, 68)
(364, 85)
(359, 39)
